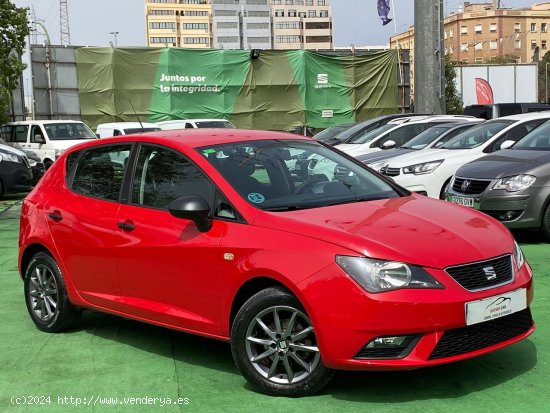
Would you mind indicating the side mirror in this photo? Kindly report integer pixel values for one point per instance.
(507, 144)
(194, 208)
(39, 139)
(98, 136)
(388, 144)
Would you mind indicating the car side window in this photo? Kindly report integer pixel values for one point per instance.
(35, 130)
(162, 176)
(20, 134)
(100, 172)
(514, 134)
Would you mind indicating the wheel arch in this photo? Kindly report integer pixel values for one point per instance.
(248, 289)
(30, 251)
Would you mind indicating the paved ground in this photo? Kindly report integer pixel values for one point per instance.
(108, 359)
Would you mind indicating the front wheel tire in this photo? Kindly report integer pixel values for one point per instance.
(545, 228)
(274, 345)
(46, 295)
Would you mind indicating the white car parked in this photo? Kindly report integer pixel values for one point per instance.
(396, 133)
(106, 130)
(47, 138)
(195, 123)
(429, 171)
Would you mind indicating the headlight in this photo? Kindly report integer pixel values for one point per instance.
(377, 276)
(32, 162)
(518, 255)
(58, 153)
(515, 183)
(422, 168)
(6, 156)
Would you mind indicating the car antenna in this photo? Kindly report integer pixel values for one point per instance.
(137, 116)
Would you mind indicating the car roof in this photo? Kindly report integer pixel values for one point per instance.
(127, 125)
(44, 122)
(197, 137)
(525, 116)
(167, 122)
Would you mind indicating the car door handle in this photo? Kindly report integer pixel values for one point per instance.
(126, 226)
(55, 216)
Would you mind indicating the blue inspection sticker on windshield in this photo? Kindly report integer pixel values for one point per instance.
(256, 198)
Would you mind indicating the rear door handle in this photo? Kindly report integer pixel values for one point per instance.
(126, 226)
(55, 216)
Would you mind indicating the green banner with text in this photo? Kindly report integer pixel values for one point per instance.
(277, 90)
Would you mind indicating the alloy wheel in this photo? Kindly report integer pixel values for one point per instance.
(281, 345)
(43, 293)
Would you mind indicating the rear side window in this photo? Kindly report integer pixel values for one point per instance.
(514, 134)
(163, 176)
(100, 172)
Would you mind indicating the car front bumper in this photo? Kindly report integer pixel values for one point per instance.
(16, 177)
(516, 210)
(348, 318)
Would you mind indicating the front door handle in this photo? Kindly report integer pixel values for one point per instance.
(55, 216)
(126, 226)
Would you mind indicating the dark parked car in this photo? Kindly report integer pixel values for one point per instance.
(35, 162)
(430, 138)
(498, 110)
(328, 135)
(511, 185)
(15, 171)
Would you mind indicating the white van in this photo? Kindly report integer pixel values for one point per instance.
(106, 130)
(47, 138)
(195, 123)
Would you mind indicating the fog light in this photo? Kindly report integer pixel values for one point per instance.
(390, 342)
(509, 215)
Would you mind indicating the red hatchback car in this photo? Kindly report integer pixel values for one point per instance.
(229, 234)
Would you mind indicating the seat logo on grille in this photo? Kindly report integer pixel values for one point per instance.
(465, 184)
(490, 272)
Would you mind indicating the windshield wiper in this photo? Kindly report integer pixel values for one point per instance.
(280, 208)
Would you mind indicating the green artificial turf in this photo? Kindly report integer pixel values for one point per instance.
(114, 358)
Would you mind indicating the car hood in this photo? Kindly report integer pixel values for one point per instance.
(63, 144)
(349, 147)
(427, 155)
(506, 163)
(414, 229)
(383, 155)
(9, 149)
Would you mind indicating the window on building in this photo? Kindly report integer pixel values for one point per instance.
(292, 13)
(225, 12)
(196, 26)
(318, 39)
(257, 26)
(277, 2)
(162, 12)
(451, 50)
(543, 44)
(289, 2)
(279, 13)
(162, 25)
(258, 40)
(479, 29)
(445, 35)
(479, 59)
(319, 26)
(533, 27)
(302, 14)
(162, 40)
(451, 33)
(321, 2)
(256, 2)
(312, 13)
(517, 44)
(196, 40)
(533, 44)
(288, 25)
(479, 46)
(493, 27)
(493, 45)
(463, 30)
(289, 39)
(544, 27)
(194, 13)
(517, 27)
(228, 39)
(463, 47)
(227, 25)
(323, 13)
(308, 2)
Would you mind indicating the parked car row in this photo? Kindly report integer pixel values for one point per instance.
(453, 161)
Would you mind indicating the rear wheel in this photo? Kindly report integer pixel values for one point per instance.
(47, 164)
(274, 345)
(1, 189)
(545, 228)
(46, 296)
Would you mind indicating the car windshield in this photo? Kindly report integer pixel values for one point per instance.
(283, 175)
(130, 131)
(368, 136)
(537, 140)
(215, 124)
(425, 138)
(477, 135)
(68, 131)
(331, 132)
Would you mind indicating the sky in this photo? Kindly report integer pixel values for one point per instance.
(92, 21)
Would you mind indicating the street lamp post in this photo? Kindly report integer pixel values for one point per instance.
(546, 82)
(115, 34)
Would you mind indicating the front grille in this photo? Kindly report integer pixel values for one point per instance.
(390, 171)
(475, 337)
(483, 274)
(473, 187)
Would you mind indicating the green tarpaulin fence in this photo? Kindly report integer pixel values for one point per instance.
(278, 90)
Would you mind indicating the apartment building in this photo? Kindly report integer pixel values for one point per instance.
(239, 24)
(302, 24)
(179, 23)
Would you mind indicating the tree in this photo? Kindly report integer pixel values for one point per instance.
(542, 81)
(453, 100)
(13, 31)
(504, 60)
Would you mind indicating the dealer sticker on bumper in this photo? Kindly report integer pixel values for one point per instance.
(496, 306)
